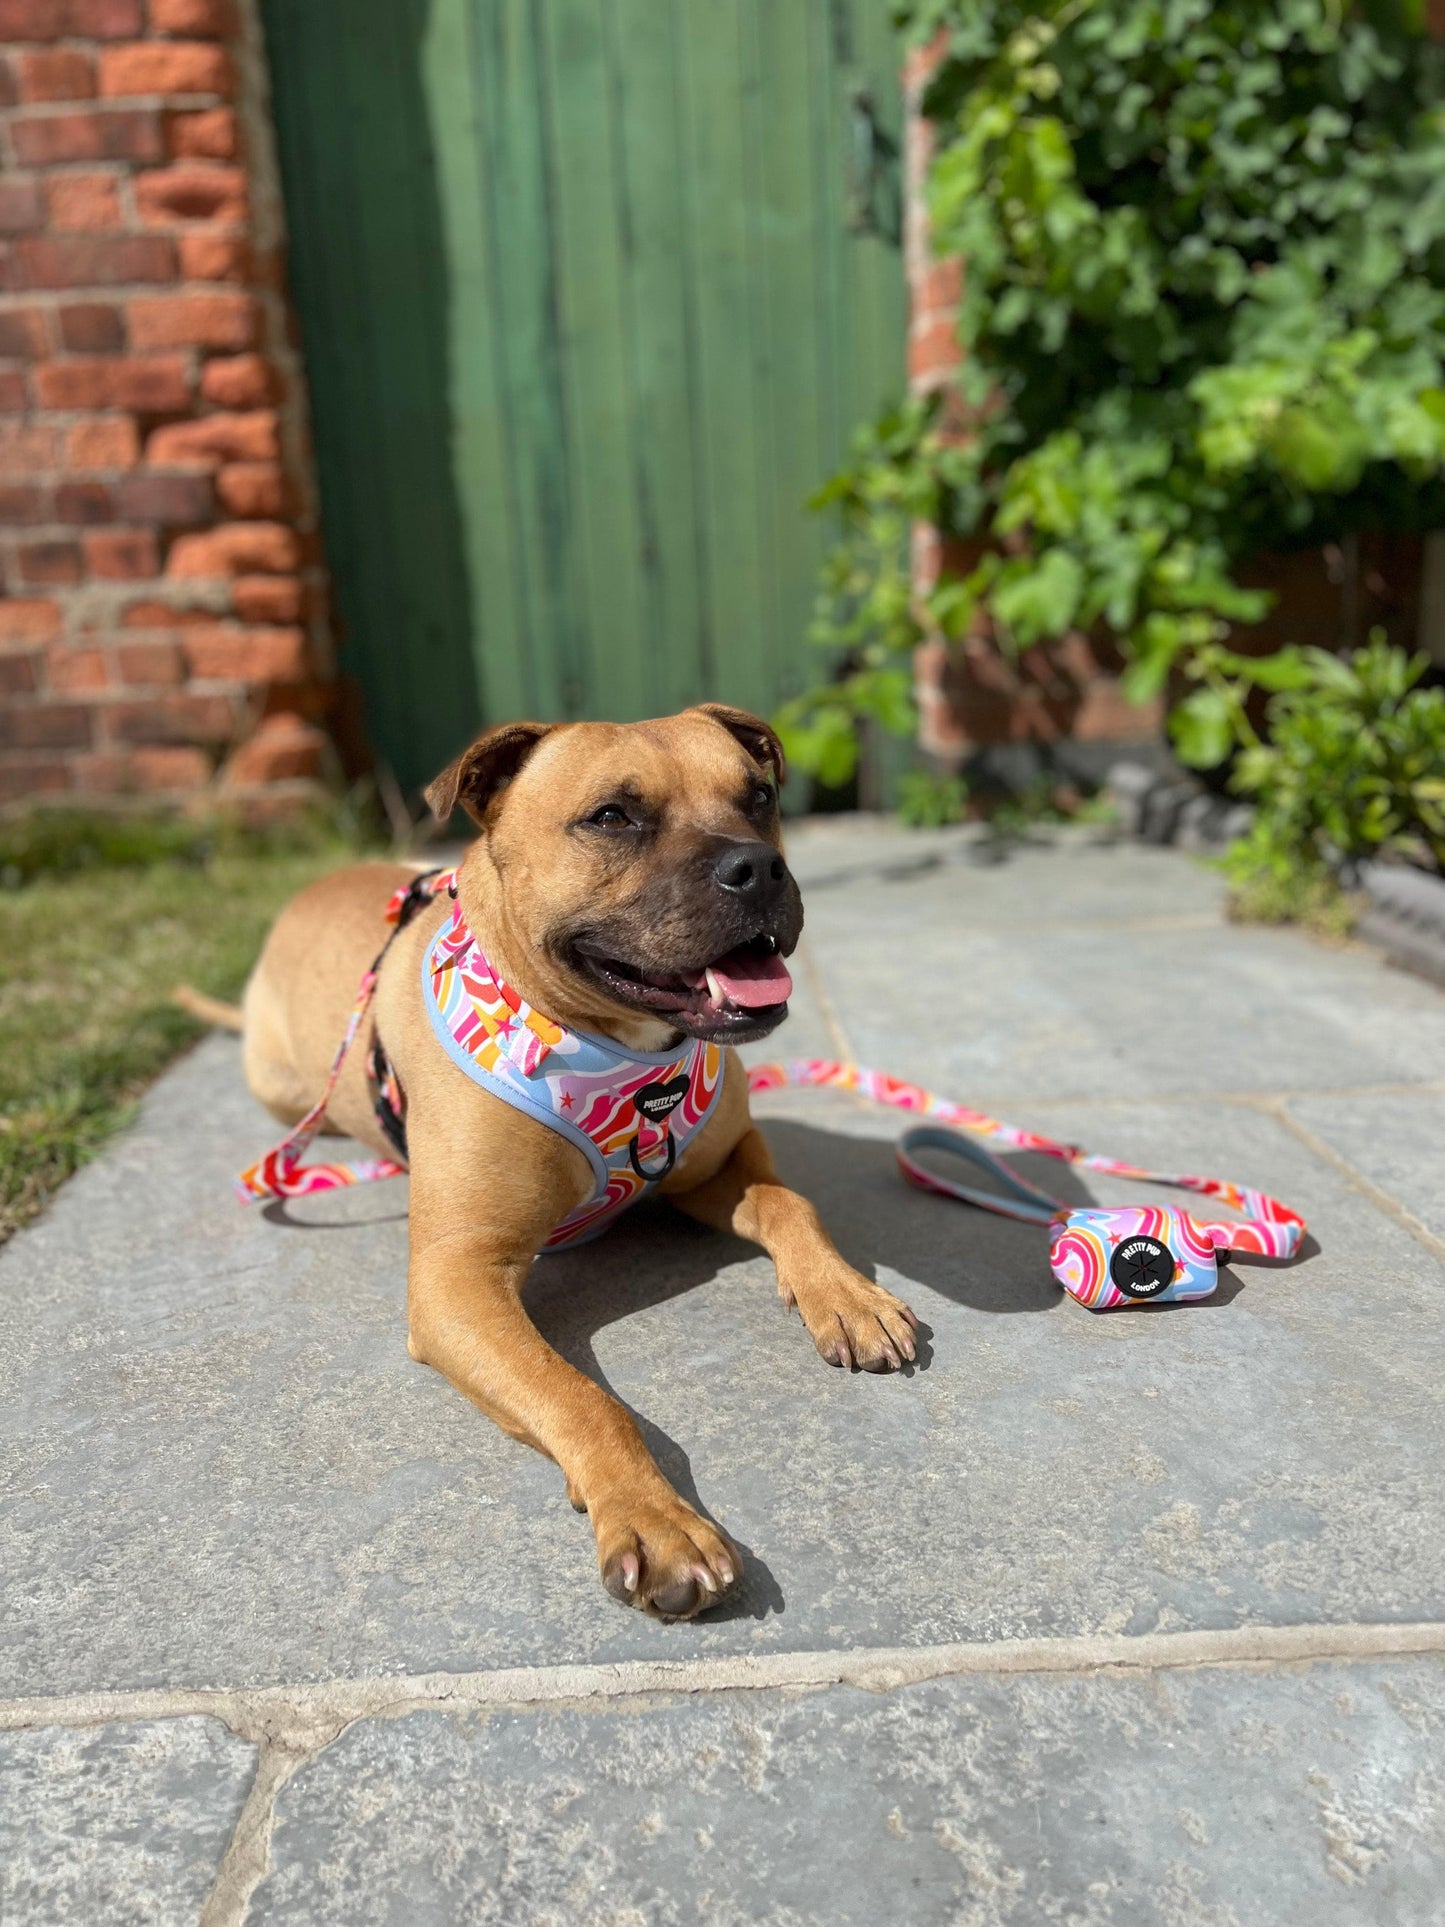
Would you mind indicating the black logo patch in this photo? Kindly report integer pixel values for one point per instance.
(1142, 1267)
(656, 1101)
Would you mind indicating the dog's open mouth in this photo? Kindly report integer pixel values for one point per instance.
(747, 987)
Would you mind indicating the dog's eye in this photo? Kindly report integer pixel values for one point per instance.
(611, 817)
(762, 796)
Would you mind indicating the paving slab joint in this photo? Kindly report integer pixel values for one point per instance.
(1278, 1108)
(287, 1736)
(817, 983)
(291, 1725)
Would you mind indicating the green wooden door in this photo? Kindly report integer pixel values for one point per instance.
(593, 293)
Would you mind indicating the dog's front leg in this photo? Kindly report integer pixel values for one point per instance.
(467, 1320)
(851, 1320)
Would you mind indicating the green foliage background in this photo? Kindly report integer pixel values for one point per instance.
(1203, 319)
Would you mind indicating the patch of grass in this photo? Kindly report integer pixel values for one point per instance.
(1048, 804)
(1307, 896)
(87, 964)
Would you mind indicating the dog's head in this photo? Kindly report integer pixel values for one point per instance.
(633, 872)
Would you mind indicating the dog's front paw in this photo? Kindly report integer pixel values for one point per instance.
(853, 1321)
(660, 1555)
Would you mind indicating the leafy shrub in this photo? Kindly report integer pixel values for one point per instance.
(1203, 319)
(928, 801)
(1354, 768)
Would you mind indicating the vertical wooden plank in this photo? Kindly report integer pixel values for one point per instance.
(602, 498)
(714, 182)
(660, 338)
(761, 257)
(792, 233)
(398, 228)
(517, 171)
(833, 64)
(511, 678)
(365, 259)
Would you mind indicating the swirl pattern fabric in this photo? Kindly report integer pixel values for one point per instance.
(631, 1113)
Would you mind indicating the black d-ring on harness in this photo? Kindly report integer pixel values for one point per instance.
(651, 1177)
(657, 1101)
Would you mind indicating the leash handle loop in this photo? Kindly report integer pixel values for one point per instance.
(1267, 1227)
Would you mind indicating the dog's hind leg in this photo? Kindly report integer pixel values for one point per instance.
(271, 1073)
(851, 1320)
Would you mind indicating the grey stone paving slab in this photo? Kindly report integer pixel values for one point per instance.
(1396, 1141)
(219, 1466)
(1099, 970)
(117, 1824)
(834, 858)
(1209, 1799)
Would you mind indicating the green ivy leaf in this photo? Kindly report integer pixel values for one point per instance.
(1038, 598)
(1202, 727)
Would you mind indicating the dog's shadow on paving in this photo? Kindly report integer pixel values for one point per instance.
(653, 1257)
(975, 1257)
(882, 1226)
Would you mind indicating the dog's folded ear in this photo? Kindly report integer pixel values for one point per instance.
(481, 773)
(758, 738)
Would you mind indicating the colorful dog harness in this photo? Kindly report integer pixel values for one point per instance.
(628, 1112)
(631, 1112)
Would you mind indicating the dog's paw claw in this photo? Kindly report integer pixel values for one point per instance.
(665, 1559)
(854, 1322)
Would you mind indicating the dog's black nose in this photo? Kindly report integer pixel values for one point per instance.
(752, 870)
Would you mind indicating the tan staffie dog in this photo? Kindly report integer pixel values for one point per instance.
(627, 880)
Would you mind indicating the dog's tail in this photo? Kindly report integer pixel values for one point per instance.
(210, 1010)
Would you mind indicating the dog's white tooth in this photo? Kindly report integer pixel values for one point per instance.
(714, 988)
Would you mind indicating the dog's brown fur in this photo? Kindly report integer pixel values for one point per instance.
(487, 1183)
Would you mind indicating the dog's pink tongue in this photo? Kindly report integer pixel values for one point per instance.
(751, 982)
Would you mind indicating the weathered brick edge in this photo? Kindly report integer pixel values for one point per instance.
(163, 625)
(970, 695)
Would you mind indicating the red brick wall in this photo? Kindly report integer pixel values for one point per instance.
(162, 612)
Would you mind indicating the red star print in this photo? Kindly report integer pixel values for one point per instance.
(505, 1030)
(566, 1100)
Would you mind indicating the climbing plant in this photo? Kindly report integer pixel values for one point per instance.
(1203, 318)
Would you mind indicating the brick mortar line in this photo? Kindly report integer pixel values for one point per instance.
(31, 110)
